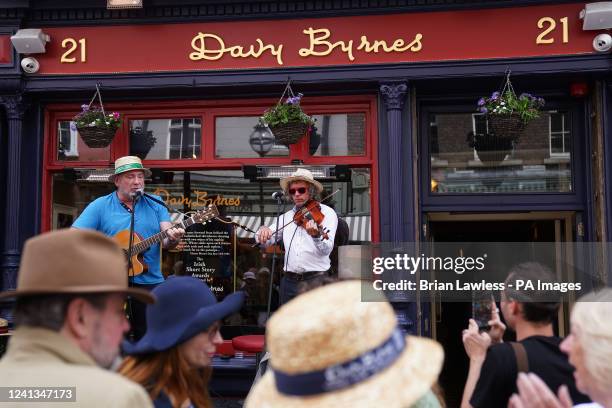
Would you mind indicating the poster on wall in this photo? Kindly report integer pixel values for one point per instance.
(207, 255)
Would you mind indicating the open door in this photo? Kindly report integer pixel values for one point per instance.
(445, 321)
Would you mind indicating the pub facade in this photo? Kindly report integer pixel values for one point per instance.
(393, 86)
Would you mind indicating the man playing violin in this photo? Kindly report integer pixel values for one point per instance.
(308, 243)
(111, 214)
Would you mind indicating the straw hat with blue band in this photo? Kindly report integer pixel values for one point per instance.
(128, 163)
(343, 352)
(186, 307)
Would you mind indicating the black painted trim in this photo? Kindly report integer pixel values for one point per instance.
(64, 12)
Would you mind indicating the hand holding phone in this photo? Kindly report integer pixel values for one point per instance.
(483, 306)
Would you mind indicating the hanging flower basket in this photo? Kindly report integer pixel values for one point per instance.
(141, 142)
(289, 133)
(287, 120)
(491, 149)
(96, 127)
(506, 126)
(508, 114)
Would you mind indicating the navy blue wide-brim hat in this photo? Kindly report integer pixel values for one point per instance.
(185, 307)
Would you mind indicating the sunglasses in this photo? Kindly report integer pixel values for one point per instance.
(300, 190)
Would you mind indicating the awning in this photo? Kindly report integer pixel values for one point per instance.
(359, 226)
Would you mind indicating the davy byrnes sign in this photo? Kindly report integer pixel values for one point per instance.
(382, 39)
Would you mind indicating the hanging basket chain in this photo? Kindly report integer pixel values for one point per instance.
(99, 95)
(97, 136)
(287, 89)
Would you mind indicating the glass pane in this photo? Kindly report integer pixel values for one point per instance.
(218, 252)
(166, 139)
(232, 136)
(556, 122)
(338, 135)
(464, 158)
(70, 146)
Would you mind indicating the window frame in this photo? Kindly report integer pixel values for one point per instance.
(518, 201)
(207, 111)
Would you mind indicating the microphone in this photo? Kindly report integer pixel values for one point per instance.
(278, 194)
(137, 194)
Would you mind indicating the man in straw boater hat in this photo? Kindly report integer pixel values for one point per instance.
(306, 249)
(111, 214)
(344, 352)
(70, 321)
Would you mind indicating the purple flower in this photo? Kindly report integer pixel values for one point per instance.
(481, 102)
(495, 95)
(525, 95)
(483, 109)
(85, 108)
(116, 115)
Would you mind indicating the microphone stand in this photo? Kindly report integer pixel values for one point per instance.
(130, 268)
(280, 206)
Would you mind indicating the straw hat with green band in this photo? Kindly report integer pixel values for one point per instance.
(128, 163)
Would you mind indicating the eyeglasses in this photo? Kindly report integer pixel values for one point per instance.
(300, 190)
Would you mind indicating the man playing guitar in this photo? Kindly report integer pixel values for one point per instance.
(307, 246)
(111, 214)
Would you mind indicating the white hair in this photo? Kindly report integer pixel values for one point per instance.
(591, 316)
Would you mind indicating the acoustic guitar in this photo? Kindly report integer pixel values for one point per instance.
(139, 245)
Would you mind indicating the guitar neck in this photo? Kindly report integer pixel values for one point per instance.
(159, 237)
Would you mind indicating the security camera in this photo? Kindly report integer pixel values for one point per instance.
(30, 65)
(602, 43)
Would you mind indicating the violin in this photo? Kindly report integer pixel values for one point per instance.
(311, 211)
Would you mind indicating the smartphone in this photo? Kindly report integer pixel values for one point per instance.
(482, 308)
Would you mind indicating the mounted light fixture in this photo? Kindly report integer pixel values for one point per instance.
(123, 4)
(261, 140)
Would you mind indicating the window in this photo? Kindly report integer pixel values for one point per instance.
(67, 136)
(338, 135)
(166, 139)
(559, 135)
(70, 147)
(232, 138)
(464, 158)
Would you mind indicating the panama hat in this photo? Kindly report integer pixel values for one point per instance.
(185, 307)
(343, 352)
(301, 175)
(128, 163)
(72, 261)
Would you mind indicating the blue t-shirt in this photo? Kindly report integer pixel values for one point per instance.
(107, 215)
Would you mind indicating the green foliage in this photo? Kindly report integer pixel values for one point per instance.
(289, 111)
(526, 105)
(94, 117)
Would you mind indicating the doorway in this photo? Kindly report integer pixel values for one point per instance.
(449, 319)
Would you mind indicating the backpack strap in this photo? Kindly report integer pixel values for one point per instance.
(521, 357)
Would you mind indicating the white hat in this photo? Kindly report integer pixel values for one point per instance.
(248, 275)
(301, 175)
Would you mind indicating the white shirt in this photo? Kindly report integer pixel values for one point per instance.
(304, 253)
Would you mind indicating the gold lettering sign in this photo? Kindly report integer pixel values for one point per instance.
(211, 47)
(201, 199)
(217, 49)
